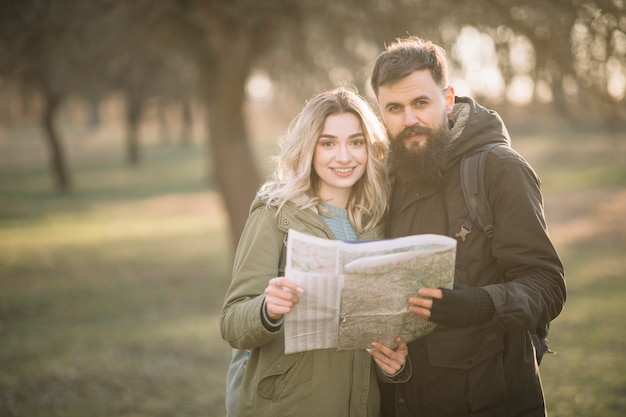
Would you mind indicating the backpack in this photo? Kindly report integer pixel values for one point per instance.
(480, 214)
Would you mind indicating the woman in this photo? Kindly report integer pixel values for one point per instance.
(329, 182)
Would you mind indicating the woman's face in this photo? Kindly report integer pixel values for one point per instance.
(340, 158)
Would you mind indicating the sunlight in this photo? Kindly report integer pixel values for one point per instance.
(480, 73)
(616, 84)
(479, 64)
(260, 87)
(520, 90)
(522, 55)
(543, 91)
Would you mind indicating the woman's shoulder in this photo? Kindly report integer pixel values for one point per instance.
(260, 217)
(284, 217)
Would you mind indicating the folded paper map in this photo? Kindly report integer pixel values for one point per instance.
(357, 292)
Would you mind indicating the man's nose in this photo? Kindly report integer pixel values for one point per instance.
(410, 119)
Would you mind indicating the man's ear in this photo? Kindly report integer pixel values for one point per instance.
(449, 92)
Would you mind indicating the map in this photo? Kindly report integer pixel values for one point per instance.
(356, 293)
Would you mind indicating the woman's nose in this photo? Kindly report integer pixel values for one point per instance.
(343, 153)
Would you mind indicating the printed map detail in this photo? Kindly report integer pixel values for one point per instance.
(355, 293)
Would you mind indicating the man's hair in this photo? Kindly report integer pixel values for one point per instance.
(407, 55)
(294, 178)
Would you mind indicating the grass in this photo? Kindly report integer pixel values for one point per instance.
(109, 296)
(585, 192)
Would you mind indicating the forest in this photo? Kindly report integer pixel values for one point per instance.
(568, 53)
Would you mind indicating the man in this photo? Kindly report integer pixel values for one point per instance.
(480, 360)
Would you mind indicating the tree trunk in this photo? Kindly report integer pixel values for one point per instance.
(234, 165)
(164, 128)
(187, 122)
(93, 119)
(133, 113)
(58, 165)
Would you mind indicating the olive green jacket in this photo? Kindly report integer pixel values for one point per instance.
(315, 383)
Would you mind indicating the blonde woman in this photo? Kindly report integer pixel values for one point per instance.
(329, 182)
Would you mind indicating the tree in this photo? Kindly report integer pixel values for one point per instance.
(33, 38)
(226, 39)
(576, 50)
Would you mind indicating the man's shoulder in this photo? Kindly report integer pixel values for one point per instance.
(496, 162)
(498, 154)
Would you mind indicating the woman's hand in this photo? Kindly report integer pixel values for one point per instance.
(281, 295)
(389, 360)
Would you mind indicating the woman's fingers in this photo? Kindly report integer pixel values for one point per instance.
(281, 295)
(389, 360)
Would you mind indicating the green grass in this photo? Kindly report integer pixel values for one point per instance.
(584, 186)
(109, 296)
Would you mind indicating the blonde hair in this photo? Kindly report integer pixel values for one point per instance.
(295, 180)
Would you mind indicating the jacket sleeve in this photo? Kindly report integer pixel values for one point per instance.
(532, 288)
(403, 376)
(256, 262)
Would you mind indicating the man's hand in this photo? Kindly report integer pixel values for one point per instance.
(461, 307)
(423, 304)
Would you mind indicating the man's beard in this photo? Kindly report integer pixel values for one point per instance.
(419, 166)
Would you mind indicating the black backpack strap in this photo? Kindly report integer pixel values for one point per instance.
(473, 186)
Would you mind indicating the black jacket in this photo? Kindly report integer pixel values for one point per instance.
(487, 370)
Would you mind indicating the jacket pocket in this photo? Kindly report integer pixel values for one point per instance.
(275, 382)
(459, 373)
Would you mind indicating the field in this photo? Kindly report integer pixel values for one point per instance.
(109, 296)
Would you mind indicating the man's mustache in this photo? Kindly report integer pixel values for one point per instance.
(414, 130)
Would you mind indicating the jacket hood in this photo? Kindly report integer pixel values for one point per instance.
(256, 203)
(289, 213)
(473, 126)
(261, 202)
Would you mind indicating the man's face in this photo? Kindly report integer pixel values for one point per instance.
(413, 103)
(415, 112)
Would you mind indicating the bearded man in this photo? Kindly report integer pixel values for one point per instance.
(480, 360)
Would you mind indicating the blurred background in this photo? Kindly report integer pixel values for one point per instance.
(134, 134)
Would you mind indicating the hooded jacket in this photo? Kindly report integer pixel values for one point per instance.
(488, 370)
(323, 382)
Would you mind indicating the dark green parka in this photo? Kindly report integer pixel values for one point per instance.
(488, 370)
